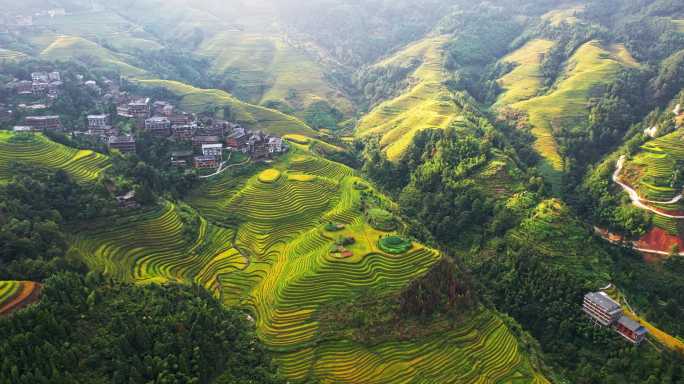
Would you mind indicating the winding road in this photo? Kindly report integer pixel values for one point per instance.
(638, 201)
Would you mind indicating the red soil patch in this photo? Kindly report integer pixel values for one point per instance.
(658, 239)
(29, 294)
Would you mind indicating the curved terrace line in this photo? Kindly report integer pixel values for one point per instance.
(638, 201)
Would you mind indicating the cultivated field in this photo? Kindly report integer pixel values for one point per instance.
(426, 104)
(650, 172)
(267, 68)
(592, 67)
(37, 150)
(70, 47)
(252, 116)
(17, 294)
(264, 246)
(525, 80)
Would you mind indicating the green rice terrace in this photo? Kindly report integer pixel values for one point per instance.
(590, 68)
(427, 103)
(36, 149)
(394, 244)
(652, 171)
(266, 247)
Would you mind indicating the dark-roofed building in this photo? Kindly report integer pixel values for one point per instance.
(601, 308)
(158, 126)
(44, 123)
(125, 144)
(206, 162)
(199, 141)
(139, 108)
(183, 132)
(98, 124)
(237, 140)
(631, 330)
(23, 87)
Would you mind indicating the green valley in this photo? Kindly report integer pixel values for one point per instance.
(341, 191)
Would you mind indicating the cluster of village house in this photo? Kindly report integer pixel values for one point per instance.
(208, 138)
(606, 312)
(11, 22)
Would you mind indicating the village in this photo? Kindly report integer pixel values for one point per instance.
(203, 142)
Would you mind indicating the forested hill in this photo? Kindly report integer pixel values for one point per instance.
(458, 175)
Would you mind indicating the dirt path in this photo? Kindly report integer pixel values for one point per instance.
(223, 169)
(29, 294)
(638, 201)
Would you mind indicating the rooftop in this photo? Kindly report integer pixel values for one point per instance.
(159, 119)
(205, 158)
(121, 139)
(42, 117)
(212, 146)
(603, 300)
(631, 325)
(97, 116)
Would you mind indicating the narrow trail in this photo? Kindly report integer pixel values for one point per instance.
(638, 201)
(223, 169)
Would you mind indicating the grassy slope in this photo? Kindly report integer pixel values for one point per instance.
(525, 80)
(275, 261)
(70, 47)
(37, 150)
(552, 231)
(252, 116)
(586, 73)
(266, 68)
(426, 104)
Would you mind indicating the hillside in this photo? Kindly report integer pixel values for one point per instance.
(70, 47)
(39, 151)
(265, 246)
(261, 69)
(425, 103)
(565, 106)
(252, 116)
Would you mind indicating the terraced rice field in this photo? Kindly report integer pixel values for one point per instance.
(251, 116)
(152, 247)
(9, 55)
(68, 47)
(17, 294)
(271, 256)
(482, 351)
(36, 149)
(426, 104)
(679, 23)
(525, 80)
(266, 68)
(650, 171)
(586, 74)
